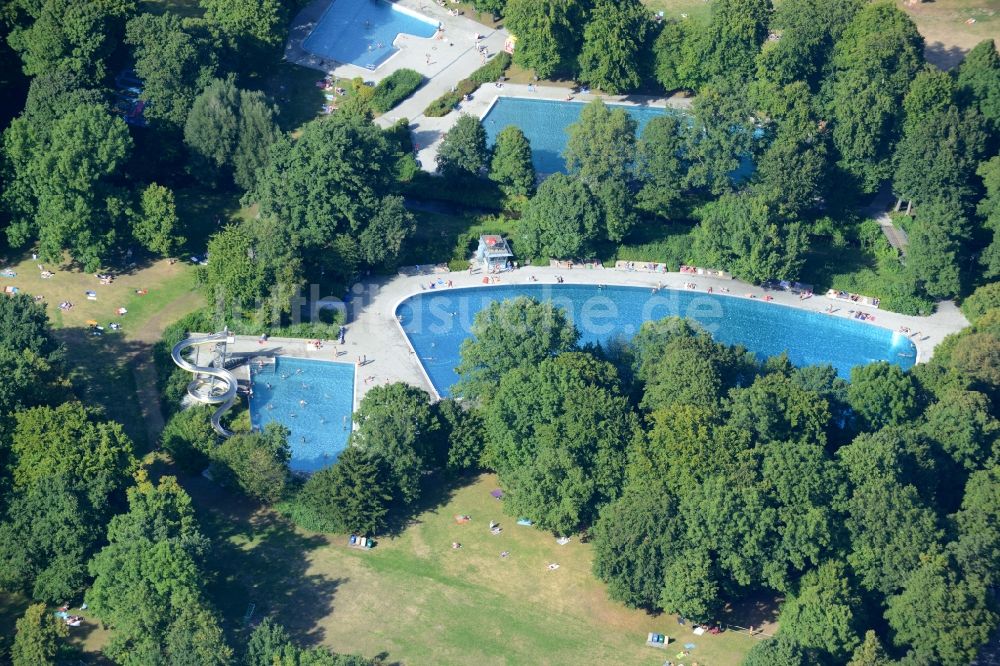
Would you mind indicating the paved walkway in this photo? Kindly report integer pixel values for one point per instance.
(878, 209)
(373, 330)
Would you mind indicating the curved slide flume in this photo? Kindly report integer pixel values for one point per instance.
(198, 390)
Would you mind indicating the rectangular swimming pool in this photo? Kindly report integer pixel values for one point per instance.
(313, 399)
(544, 123)
(362, 32)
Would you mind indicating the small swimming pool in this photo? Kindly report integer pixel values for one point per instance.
(437, 322)
(544, 123)
(362, 32)
(313, 399)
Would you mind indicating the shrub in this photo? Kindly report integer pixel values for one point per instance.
(394, 88)
(984, 299)
(491, 71)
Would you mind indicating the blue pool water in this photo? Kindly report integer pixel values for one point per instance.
(320, 427)
(544, 123)
(361, 32)
(437, 323)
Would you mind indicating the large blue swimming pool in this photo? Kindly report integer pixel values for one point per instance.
(437, 323)
(544, 123)
(313, 399)
(361, 32)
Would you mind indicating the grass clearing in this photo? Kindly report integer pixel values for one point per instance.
(414, 599)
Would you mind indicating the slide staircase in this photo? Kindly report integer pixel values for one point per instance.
(211, 385)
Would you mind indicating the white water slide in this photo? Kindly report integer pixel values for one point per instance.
(211, 385)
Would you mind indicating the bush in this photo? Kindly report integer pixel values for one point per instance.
(984, 299)
(443, 105)
(491, 71)
(394, 88)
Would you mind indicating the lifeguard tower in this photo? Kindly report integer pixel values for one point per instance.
(494, 254)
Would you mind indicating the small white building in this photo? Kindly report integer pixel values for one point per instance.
(494, 254)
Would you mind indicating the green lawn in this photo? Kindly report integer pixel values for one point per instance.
(414, 599)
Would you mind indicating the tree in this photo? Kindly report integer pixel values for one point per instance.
(691, 585)
(511, 166)
(740, 233)
(382, 240)
(509, 334)
(464, 429)
(937, 248)
(147, 581)
(722, 137)
(548, 34)
(95, 457)
(329, 181)
(63, 191)
(353, 495)
(964, 427)
(212, 130)
(395, 423)
(735, 33)
(30, 358)
(882, 394)
(463, 152)
(823, 613)
(632, 537)
(876, 58)
(69, 36)
(941, 145)
(254, 22)
(613, 40)
(255, 463)
(989, 210)
(48, 534)
(943, 615)
(977, 548)
(39, 635)
(253, 262)
(778, 651)
(979, 81)
(189, 437)
(270, 644)
(659, 165)
(257, 133)
(175, 62)
(600, 152)
(792, 173)
(562, 220)
(809, 31)
(870, 652)
(679, 53)
(891, 529)
(559, 449)
(156, 224)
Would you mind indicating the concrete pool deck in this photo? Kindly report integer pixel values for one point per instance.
(374, 332)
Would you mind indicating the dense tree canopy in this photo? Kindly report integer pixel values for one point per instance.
(562, 220)
(64, 192)
(877, 56)
(548, 34)
(613, 42)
